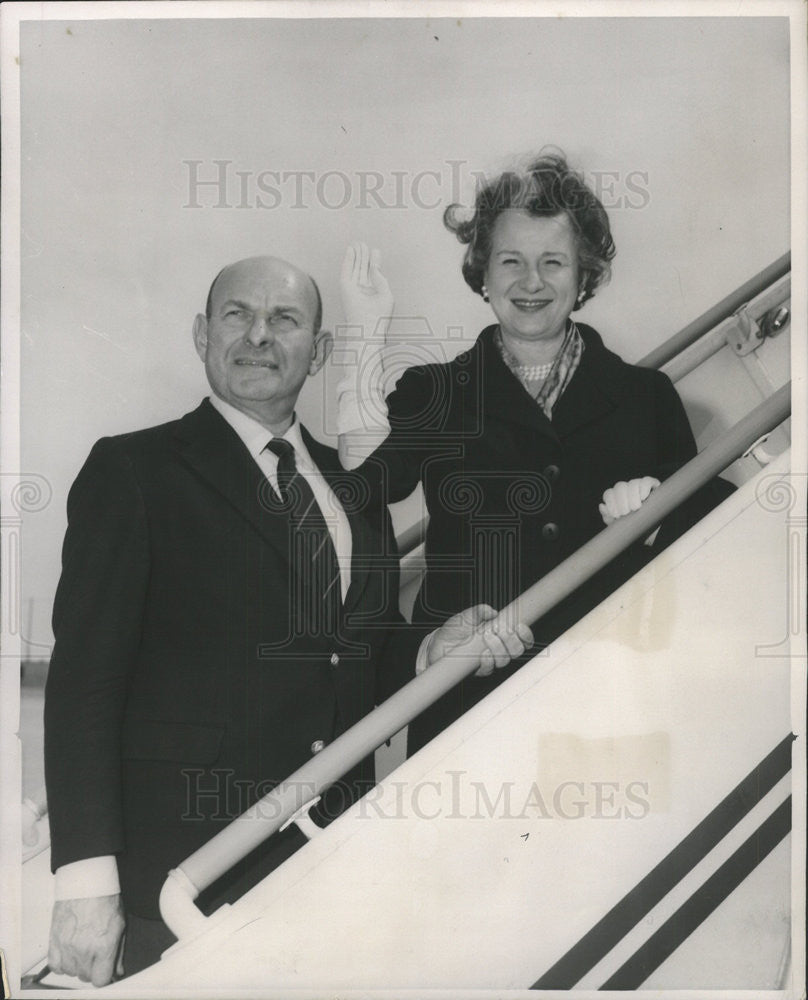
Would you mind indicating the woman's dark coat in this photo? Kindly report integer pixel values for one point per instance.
(511, 494)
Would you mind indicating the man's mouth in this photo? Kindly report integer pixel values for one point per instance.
(247, 363)
(531, 305)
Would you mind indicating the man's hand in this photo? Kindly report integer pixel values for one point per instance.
(500, 646)
(366, 296)
(86, 938)
(623, 498)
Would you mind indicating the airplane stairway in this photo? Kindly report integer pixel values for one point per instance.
(616, 815)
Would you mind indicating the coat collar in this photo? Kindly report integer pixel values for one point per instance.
(217, 454)
(592, 393)
(220, 458)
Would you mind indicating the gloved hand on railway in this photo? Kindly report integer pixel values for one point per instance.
(625, 497)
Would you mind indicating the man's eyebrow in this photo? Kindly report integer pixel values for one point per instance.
(286, 309)
(274, 310)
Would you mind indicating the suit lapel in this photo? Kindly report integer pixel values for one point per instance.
(217, 455)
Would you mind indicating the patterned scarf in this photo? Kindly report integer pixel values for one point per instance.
(563, 367)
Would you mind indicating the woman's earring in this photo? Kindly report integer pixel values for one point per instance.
(484, 292)
(581, 296)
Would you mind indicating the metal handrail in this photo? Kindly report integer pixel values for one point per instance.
(264, 818)
(411, 537)
(719, 312)
(718, 338)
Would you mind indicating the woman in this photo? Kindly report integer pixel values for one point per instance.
(531, 441)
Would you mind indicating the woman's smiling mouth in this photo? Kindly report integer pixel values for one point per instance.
(530, 305)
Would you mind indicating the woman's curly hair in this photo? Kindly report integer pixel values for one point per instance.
(546, 188)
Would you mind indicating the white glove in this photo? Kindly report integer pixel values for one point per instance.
(366, 296)
(368, 304)
(623, 498)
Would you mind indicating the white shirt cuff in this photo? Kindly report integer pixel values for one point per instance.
(86, 878)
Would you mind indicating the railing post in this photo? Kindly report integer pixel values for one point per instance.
(719, 312)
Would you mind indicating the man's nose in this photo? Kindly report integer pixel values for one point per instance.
(260, 332)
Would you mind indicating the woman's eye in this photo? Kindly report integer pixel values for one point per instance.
(553, 262)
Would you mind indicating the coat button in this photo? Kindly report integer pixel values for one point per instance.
(317, 746)
(335, 659)
(552, 472)
(550, 532)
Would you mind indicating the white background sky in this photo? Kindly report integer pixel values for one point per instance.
(115, 265)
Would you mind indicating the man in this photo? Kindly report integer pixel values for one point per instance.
(202, 654)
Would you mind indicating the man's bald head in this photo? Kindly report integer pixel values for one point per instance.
(318, 317)
(261, 338)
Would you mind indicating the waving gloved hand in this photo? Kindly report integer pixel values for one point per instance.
(366, 296)
(362, 421)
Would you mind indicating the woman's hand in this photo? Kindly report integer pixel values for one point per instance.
(623, 498)
(366, 296)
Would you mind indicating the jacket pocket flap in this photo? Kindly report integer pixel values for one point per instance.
(147, 739)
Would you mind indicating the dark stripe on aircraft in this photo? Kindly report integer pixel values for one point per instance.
(701, 904)
(636, 904)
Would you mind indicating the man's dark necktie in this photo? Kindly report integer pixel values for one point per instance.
(317, 596)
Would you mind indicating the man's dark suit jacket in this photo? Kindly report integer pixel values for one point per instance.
(178, 691)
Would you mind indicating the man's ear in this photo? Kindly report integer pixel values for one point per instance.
(323, 343)
(200, 333)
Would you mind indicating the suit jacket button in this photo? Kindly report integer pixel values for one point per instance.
(550, 532)
(317, 746)
(552, 472)
(335, 659)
